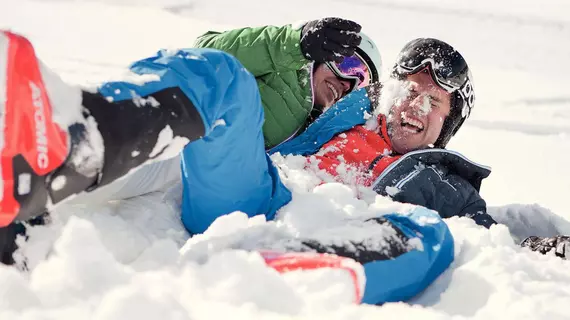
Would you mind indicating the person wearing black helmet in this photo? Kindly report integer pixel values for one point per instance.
(205, 102)
(448, 70)
(401, 152)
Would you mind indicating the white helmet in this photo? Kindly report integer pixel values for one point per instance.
(366, 53)
(370, 53)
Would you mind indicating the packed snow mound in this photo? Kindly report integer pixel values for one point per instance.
(132, 258)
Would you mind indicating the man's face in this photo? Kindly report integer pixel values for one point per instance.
(416, 123)
(327, 87)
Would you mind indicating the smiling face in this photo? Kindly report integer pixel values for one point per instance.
(327, 87)
(416, 123)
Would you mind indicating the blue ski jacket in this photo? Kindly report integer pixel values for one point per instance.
(229, 170)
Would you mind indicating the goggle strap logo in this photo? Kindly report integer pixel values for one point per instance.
(466, 93)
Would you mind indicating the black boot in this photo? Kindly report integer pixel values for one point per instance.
(57, 145)
(9, 234)
(132, 136)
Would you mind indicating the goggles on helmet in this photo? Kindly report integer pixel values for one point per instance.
(448, 70)
(354, 69)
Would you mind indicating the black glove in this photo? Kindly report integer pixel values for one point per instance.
(543, 245)
(329, 39)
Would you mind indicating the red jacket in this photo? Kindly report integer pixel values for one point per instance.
(358, 155)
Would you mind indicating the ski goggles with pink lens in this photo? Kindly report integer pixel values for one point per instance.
(353, 69)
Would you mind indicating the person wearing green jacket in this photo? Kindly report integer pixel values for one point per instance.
(299, 70)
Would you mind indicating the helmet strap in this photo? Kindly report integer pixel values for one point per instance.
(452, 122)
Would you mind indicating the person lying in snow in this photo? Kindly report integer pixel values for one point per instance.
(294, 68)
(204, 102)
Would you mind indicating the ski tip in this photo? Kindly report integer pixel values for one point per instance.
(284, 262)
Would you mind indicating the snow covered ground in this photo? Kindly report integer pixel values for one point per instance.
(132, 260)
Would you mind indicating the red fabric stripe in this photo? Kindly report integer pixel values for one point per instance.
(357, 148)
(292, 261)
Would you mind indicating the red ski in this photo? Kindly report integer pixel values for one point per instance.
(293, 261)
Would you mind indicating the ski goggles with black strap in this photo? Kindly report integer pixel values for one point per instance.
(446, 66)
(354, 69)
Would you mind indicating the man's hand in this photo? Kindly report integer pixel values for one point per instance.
(330, 39)
(560, 245)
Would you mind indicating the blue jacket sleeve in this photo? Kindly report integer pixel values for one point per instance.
(402, 254)
(227, 169)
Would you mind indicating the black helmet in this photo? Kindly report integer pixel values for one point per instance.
(449, 70)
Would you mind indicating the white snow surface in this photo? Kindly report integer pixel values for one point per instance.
(132, 259)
